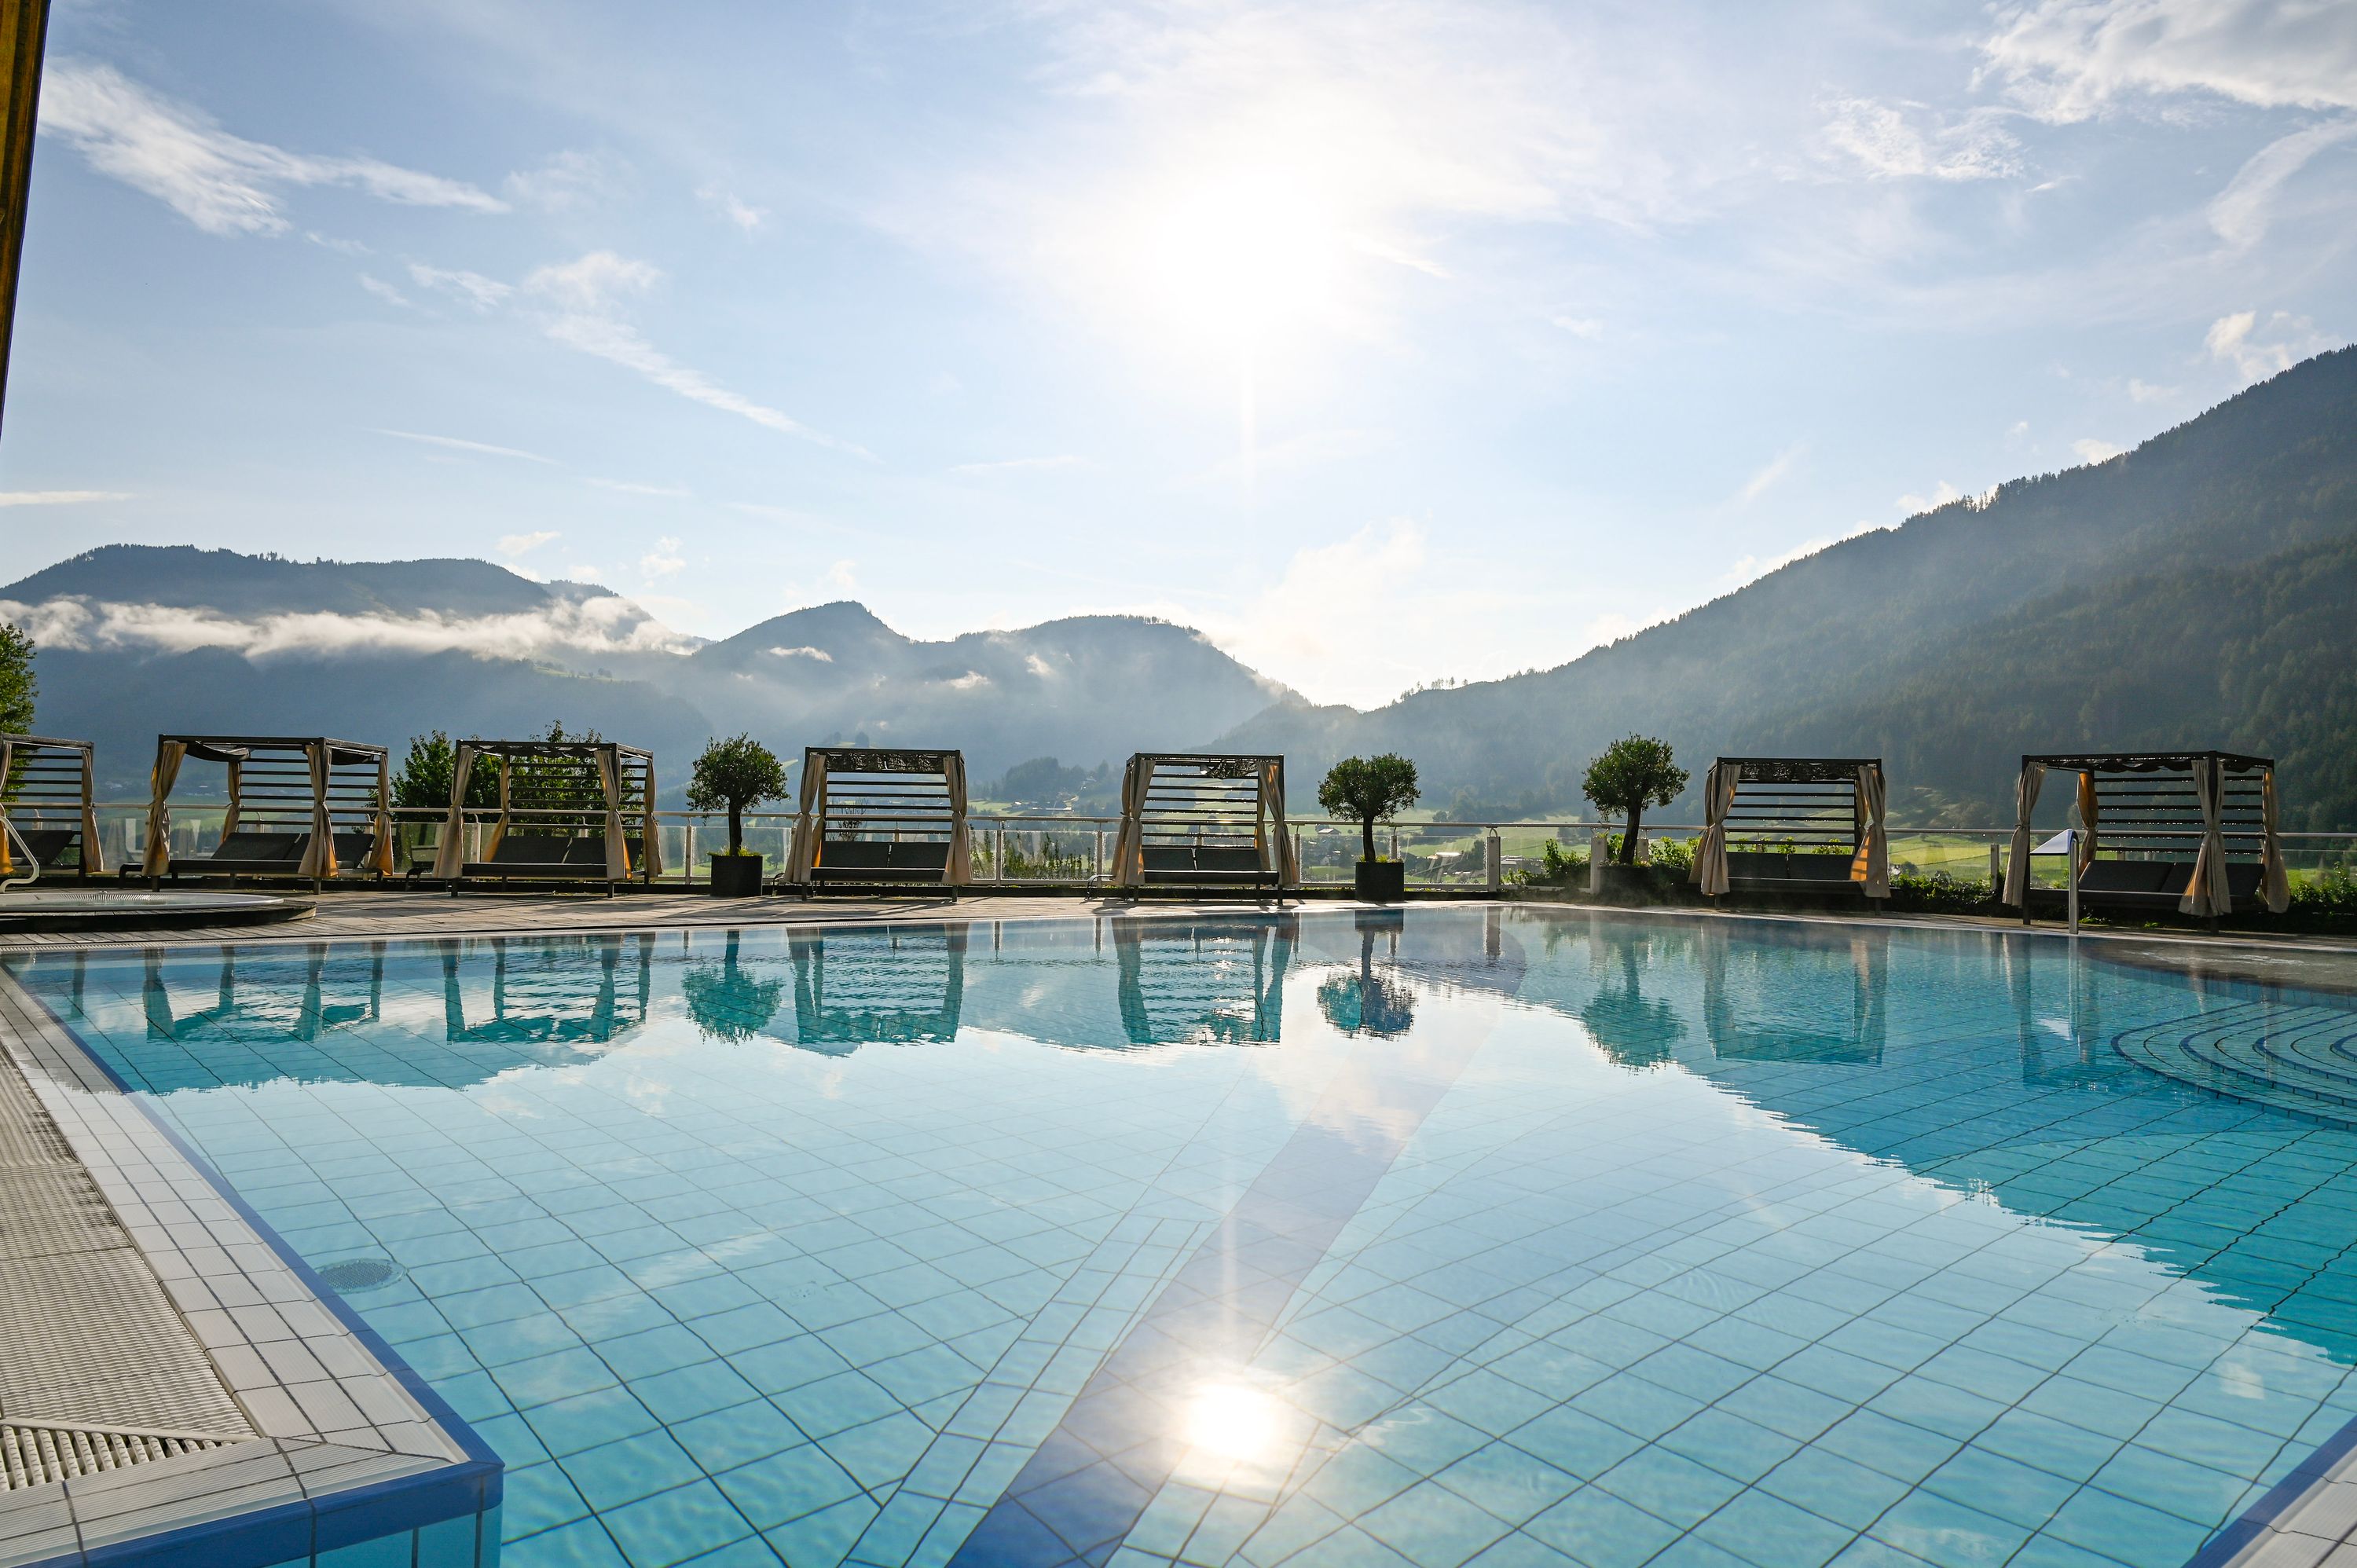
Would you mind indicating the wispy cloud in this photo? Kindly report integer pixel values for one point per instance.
(1021, 465)
(514, 544)
(630, 487)
(2241, 213)
(1907, 141)
(2071, 59)
(2145, 392)
(819, 654)
(1941, 494)
(221, 183)
(663, 561)
(60, 498)
(1770, 473)
(476, 290)
(457, 443)
(604, 623)
(385, 291)
(2089, 450)
(565, 183)
(729, 205)
(588, 292)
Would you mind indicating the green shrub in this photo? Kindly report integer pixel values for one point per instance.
(1941, 894)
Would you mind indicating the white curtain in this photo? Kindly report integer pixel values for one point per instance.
(2207, 891)
(1872, 865)
(499, 827)
(2089, 811)
(236, 795)
(1719, 789)
(618, 848)
(7, 854)
(450, 854)
(319, 854)
(381, 854)
(961, 866)
(651, 833)
(93, 861)
(2275, 884)
(2016, 862)
(1129, 844)
(803, 857)
(157, 861)
(1272, 805)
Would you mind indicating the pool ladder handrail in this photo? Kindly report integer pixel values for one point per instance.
(22, 848)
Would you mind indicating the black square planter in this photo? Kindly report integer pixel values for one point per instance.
(735, 876)
(1383, 881)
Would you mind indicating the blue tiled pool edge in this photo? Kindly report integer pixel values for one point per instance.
(447, 1518)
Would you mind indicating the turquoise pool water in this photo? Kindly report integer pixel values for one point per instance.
(1468, 1236)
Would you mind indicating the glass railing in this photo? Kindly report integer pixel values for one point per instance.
(1077, 850)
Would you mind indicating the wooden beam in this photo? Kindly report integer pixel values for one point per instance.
(24, 24)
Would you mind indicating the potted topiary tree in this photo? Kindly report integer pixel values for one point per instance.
(730, 775)
(1366, 789)
(1632, 774)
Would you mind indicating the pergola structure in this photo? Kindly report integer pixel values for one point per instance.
(46, 784)
(2193, 830)
(1794, 824)
(1201, 817)
(299, 806)
(570, 810)
(881, 816)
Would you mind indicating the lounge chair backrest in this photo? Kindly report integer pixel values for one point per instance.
(589, 849)
(529, 849)
(48, 844)
(1228, 858)
(261, 846)
(1167, 857)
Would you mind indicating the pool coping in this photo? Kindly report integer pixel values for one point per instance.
(354, 1446)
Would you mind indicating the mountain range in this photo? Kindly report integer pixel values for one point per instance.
(2195, 592)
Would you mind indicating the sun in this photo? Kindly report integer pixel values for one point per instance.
(1240, 262)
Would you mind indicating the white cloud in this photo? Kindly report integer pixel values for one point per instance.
(2089, 450)
(455, 444)
(1021, 465)
(663, 561)
(1312, 622)
(604, 623)
(1941, 494)
(579, 572)
(60, 498)
(2145, 392)
(515, 544)
(565, 183)
(631, 488)
(1774, 469)
(1577, 325)
(972, 681)
(221, 183)
(742, 213)
(1905, 141)
(588, 292)
(2071, 60)
(2258, 350)
(1751, 568)
(820, 654)
(476, 290)
(2240, 213)
(385, 291)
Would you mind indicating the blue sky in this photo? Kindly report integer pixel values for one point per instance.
(1385, 340)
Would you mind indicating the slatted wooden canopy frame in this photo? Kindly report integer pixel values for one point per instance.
(1204, 818)
(570, 810)
(49, 805)
(881, 816)
(1794, 824)
(2193, 830)
(299, 806)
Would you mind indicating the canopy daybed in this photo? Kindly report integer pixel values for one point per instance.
(49, 811)
(879, 817)
(1204, 820)
(299, 806)
(570, 810)
(2190, 830)
(1795, 824)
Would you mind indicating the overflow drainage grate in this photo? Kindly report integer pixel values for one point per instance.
(353, 1276)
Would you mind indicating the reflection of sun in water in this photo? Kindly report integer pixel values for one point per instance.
(1231, 1422)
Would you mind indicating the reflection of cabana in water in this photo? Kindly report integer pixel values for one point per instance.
(1217, 983)
(1795, 1001)
(540, 995)
(262, 1006)
(898, 984)
(570, 810)
(1204, 819)
(299, 806)
(1793, 824)
(2193, 830)
(871, 816)
(49, 811)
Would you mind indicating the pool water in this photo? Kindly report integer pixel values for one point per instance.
(1493, 1236)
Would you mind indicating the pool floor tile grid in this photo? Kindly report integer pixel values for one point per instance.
(1521, 1346)
(332, 1422)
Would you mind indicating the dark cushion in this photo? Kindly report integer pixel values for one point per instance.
(261, 847)
(882, 860)
(529, 849)
(1166, 857)
(1818, 867)
(353, 849)
(588, 851)
(48, 844)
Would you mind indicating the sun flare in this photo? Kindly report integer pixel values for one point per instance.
(1237, 262)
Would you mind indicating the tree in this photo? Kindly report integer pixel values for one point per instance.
(733, 775)
(1365, 789)
(1632, 774)
(424, 781)
(17, 687)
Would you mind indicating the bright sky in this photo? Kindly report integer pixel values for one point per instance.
(1385, 342)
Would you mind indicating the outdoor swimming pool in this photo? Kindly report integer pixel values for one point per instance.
(1466, 1235)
